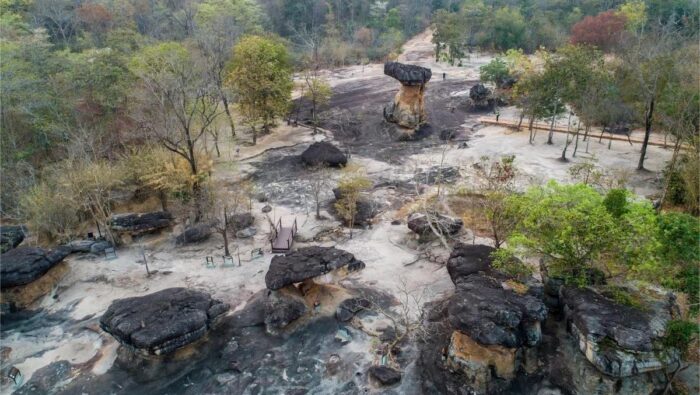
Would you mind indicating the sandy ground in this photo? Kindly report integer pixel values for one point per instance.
(93, 283)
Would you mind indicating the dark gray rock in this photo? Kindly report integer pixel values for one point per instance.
(11, 236)
(437, 174)
(161, 322)
(349, 307)
(385, 375)
(468, 259)
(139, 223)
(45, 379)
(308, 262)
(419, 224)
(266, 208)
(447, 134)
(194, 234)
(323, 152)
(281, 309)
(366, 209)
(491, 315)
(22, 265)
(241, 221)
(480, 94)
(247, 233)
(99, 246)
(407, 74)
(81, 245)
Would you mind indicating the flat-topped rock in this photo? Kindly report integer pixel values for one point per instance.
(194, 234)
(323, 153)
(11, 236)
(468, 259)
(23, 265)
(407, 74)
(139, 223)
(617, 339)
(421, 224)
(161, 322)
(306, 263)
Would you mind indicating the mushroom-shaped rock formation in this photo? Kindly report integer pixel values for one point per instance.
(28, 273)
(307, 263)
(407, 109)
(323, 153)
(162, 322)
(11, 236)
(139, 223)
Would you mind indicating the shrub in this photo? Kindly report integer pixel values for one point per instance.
(680, 334)
(616, 202)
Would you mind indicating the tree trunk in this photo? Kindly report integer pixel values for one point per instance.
(318, 208)
(228, 114)
(671, 169)
(255, 135)
(224, 233)
(532, 138)
(576, 144)
(520, 122)
(647, 133)
(551, 126)
(566, 147)
(163, 196)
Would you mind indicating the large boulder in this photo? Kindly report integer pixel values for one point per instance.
(139, 223)
(162, 322)
(283, 307)
(307, 263)
(480, 95)
(420, 224)
(241, 221)
(11, 236)
(619, 340)
(194, 234)
(349, 307)
(323, 152)
(23, 265)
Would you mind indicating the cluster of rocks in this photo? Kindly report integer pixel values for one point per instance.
(162, 322)
(407, 109)
(293, 280)
(324, 153)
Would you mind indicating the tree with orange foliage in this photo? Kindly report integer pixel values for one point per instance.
(603, 30)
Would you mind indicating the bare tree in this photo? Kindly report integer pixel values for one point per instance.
(319, 182)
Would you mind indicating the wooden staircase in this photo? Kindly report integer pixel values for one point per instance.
(282, 238)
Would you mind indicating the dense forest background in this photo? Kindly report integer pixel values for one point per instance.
(73, 72)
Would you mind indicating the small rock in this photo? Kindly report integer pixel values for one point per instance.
(385, 375)
(11, 236)
(418, 223)
(246, 233)
(343, 336)
(267, 208)
(99, 246)
(261, 197)
(241, 221)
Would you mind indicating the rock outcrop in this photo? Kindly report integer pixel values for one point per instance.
(619, 340)
(282, 308)
(307, 263)
(480, 96)
(420, 224)
(408, 108)
(325, 153)
(23, 265)
(93, 246)
(487, 328)
(11, 236)
(385, 375)
(140, 223)
(161, 322)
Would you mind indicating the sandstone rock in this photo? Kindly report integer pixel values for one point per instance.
(385, 375)
(99, 246)
(22, 265)
(306, 263)
(11, 236)
(408, 108)
(468, 259)
(161, 322)
(437, 174)
(366, 209)
(618, 340)
(194, 234)
(418, 223)
(247, 233)
(283, 307)
(23, 296)
(349, 307)
(323, 153)
(139, 223)
(241, 221)
(408, 74)
(480, 363)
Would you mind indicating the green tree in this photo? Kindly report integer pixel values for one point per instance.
(496, 72)
(318, 92)
(508, 28)
(261, 75)
(353, 183)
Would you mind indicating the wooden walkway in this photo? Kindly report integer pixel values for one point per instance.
(282, 237)
(653, 140)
